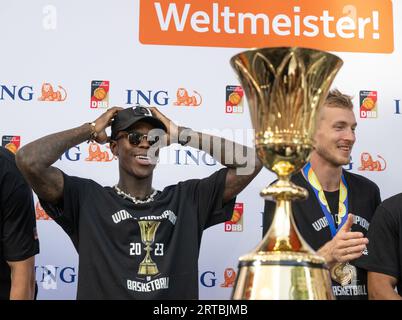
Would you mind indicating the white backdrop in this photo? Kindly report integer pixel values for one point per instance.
(72, 43)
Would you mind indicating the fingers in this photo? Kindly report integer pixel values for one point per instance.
(170, 125)
(350, 235)
(155, 112)
(355, 249)
(105, 119)
(351, 253)
(110, 113)
(352, 243)
(115, 108)
(154, 109)
(350, 257)
(349, 249)
(348, 224)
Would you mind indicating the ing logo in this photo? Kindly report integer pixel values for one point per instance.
(368, 104)
(41, 213)
(209, 278)
(49, 276)
(397, 106)
(368, 164)
(49, 94)
(229, 276)
(96, 154)
(183, 98)
(13, 92)
(236, 222)
(12, 143)
(147, 97)
(193, 157)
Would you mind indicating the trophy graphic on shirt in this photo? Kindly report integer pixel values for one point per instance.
(148, 230)
(284, 87)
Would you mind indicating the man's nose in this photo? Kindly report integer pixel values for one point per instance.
(144, 143)
(350, 135)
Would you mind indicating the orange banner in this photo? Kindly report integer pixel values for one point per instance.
(336, 25)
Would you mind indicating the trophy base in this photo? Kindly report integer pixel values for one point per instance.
(282, 275)
(148, 269)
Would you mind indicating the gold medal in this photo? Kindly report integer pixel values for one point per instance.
(343, 273)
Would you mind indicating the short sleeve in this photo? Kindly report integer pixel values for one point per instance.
(208, 197)
(383, 247)
(20, 239)
(377, 197)
(67, 212)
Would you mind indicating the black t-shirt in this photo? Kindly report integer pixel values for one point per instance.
(385, 241)
(333, 202)
(363, 199)
(18, 238)
(113, 235)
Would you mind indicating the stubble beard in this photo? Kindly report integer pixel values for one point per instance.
(331, 158)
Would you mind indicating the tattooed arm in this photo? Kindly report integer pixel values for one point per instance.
(35, 159)
(242, 161)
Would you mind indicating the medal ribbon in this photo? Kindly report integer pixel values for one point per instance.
(319, 193)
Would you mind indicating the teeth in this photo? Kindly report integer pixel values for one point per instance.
(142, 157)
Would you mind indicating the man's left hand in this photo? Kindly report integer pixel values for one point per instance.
(172, 129)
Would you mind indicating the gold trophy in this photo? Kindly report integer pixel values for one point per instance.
(148, 230)
(284, 87)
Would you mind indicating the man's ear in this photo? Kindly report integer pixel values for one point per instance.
(114, 148)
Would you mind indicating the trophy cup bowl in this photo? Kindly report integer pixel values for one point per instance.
(284, 87)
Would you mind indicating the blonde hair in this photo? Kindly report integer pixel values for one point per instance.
(336, 98)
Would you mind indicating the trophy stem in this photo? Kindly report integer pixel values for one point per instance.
(283, 234)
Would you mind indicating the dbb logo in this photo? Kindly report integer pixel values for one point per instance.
(236, 223)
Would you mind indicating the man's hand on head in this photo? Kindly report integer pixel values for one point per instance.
(104, 121)
(172, 129)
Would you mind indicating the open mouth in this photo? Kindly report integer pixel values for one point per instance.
(345, 148)
(145, 158)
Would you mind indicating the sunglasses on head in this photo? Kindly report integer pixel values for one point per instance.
(135, 138)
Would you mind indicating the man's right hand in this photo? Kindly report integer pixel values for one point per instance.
(104, 121)
(36, 158)
(345, 246)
